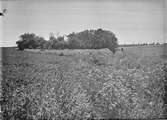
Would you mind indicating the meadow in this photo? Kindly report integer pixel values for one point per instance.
(84, 84)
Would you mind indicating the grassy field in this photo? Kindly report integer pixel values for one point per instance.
(82, 84)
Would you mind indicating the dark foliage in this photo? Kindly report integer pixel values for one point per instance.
(30, 41)
(88, 39)
(93, 39)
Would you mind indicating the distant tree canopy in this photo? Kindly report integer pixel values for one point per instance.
(93, 39)
(88, 39)
(30, 41)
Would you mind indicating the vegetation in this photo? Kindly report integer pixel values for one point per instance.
(84, 84)
(88, 39)
(141, 44)
(94, 39)
(30, 41)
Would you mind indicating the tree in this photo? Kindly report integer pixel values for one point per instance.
(51, 37)
(20, 45)
(52, 41)
(88, 39)
(93, 39)
(30, 41)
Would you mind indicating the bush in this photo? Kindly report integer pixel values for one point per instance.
(61, 54)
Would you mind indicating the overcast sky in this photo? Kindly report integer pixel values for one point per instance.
(132, 21)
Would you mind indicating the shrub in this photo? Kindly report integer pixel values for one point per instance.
(61, 54)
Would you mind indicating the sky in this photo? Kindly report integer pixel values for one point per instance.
(132, 21)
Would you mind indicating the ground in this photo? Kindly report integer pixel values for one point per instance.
(82, 84)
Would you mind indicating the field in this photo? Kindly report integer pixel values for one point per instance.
(83, 84)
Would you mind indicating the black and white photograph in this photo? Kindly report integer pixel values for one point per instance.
(83, 59)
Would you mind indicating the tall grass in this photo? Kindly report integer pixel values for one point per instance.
(86, 86)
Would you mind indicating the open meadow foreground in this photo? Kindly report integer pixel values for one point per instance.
(84, 84)
(83, 59)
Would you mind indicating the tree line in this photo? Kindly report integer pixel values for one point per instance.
(140, 44)
(88, 39)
